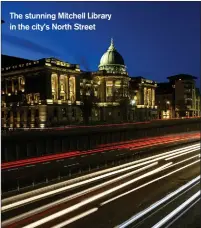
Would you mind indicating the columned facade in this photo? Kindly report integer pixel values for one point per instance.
(44, 94)
(49, 92)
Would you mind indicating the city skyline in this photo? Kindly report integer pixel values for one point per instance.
(158, 54)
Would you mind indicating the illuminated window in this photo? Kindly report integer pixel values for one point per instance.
(62, 84)
(54, 82)
(72, 88)
(145, 96)
(109, 91)
(28, 98)
(36, 98)
(117, 83)
(109, 83)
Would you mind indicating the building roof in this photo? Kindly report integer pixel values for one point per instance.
(181, 76)
(7, 60)
(140, 79)
(11, 63)
(137, 78)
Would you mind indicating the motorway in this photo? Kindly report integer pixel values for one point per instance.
(31, 172)
(150, 192)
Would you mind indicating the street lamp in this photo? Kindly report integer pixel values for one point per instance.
(133, 102)
(168, 109)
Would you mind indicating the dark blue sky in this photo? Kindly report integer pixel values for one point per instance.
(156, 39)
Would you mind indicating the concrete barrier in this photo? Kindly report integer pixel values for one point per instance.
(22, 145)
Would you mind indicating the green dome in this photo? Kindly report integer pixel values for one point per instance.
(112, 61)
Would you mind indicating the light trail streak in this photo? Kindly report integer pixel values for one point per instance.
(177, 210)
(80, 183)
(35, 198)
(91, 199)
(45, 207)
(169, 224)
(176, 156)
(148, 183)
(67, 222)
(158, 203)
(66, 199)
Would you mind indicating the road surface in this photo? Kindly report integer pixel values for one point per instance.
(111, 197)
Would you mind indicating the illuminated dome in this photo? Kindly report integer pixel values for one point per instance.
(112, 61)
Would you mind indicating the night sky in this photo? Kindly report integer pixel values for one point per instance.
(156, 39)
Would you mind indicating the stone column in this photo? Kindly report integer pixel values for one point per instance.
(32, 121)
(68, 88)
(59, 86)
(103, 90)
(25, 116)
(42, 115)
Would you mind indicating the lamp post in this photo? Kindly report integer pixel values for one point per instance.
(133, 103)
(167, 109)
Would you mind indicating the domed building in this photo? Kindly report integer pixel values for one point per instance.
(111, 85)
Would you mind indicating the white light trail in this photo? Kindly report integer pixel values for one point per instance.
(57, 191)
(158, 203)
(71, 197)
(17, 204)
(167, 159)
(71, 220)
(187, 159)
(91, 199)
(79, 179)
(45, 207)
(150, 182)
(177, 210)
(181, 214)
